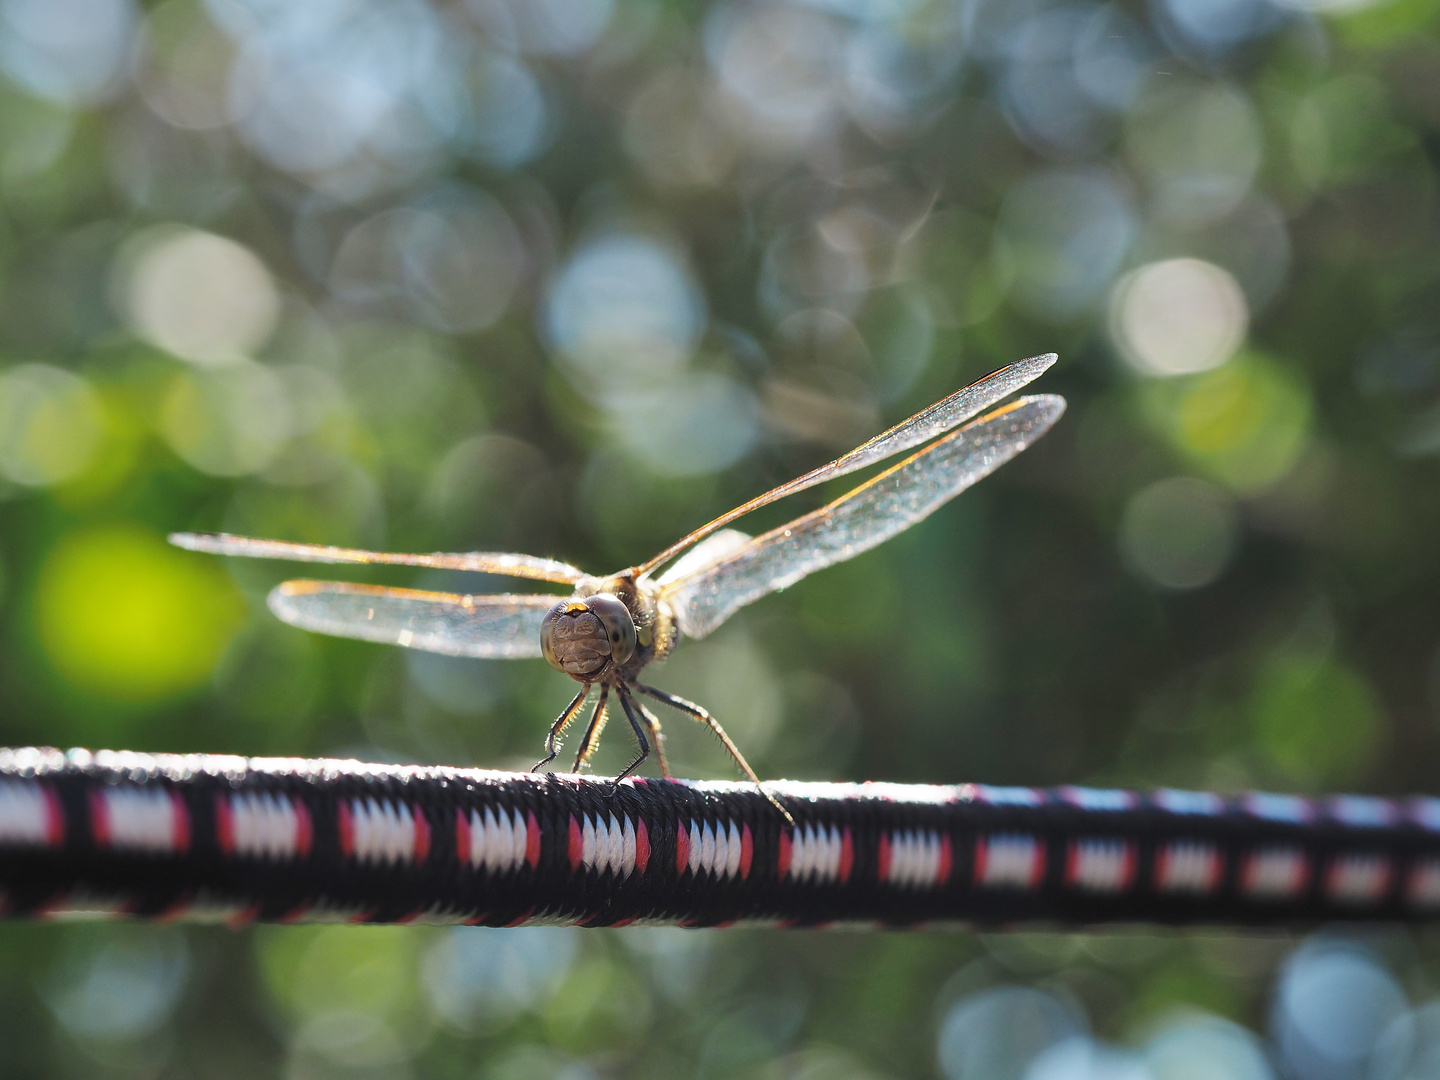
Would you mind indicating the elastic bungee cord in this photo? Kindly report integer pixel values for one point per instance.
(237, 840)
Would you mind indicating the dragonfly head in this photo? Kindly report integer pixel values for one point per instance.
(582, 637)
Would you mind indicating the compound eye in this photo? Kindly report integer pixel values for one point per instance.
(547, 634)
(619, 626)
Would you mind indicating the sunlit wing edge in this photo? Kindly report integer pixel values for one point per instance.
(500, 626)
(934, 420)
(510, 565)
(1001, 434)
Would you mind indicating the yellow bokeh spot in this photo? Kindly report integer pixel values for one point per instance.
(124, 616)
(1246, 423)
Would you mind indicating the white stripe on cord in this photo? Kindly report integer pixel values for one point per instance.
(1009, 860)
(1100, 864)
(1190, 866)
(707, 847)
(607, 844)
(733, 844)
(264, 825)
(1423, 888)
(1275, 873)
(384, 831)
(696, 843)
(497, 840)
(1359, 878)
(816, 853)
(27, 814)
(142, 819)
(714, 849)
(914, 858)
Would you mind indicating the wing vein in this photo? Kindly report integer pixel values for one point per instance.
(925, 425)
(868, 515)
(492, 626)
(487, 562)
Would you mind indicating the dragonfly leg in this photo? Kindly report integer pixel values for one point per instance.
(657, 737)
(592, 733)
(693, 710)
(628, 704)
(552, 741)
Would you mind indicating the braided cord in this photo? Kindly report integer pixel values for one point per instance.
(234, 839)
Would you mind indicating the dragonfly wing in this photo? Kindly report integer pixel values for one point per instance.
(712, 549)
(925, 425)
(522, 566)
(499, 626)
(888, 504)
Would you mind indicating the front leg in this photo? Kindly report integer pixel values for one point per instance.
(628, 703)
(592, 732)
(552, 741)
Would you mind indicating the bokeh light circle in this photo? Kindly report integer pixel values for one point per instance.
(1179, 533)
(50, 424)
(1065, 233)
(227, 421)
(69, 51)
(1333, 1004)
(124, 616)
(544, 27)
(202, 297)
(696, 424)
(1178, 317)
(781, 68)
(1198, 148)
(493, 108)
(475, 974)
(120, 987)
(623, 314)
(314, 89)
(453, 260)
(996, 1034)
(1204, 1047)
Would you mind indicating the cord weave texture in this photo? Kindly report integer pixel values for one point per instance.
(289, 840)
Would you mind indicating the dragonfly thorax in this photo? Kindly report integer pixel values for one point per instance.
(584, 637)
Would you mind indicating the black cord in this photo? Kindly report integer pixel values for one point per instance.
(292, 840)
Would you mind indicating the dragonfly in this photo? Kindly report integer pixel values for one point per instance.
(611, 628)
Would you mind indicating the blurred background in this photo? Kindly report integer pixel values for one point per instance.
(569, 277)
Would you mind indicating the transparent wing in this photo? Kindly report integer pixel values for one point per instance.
(857, 521)
(499, 626)
(521, 566)
(920, 428)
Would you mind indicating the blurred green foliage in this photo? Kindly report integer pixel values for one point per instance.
(572, 277)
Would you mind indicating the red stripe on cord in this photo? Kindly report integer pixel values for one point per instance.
(577, 844)
(642, 845)
(304, 828)
(682, 847)
(422, 835)
(99, 819)
(532, 840)
(54, 817)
